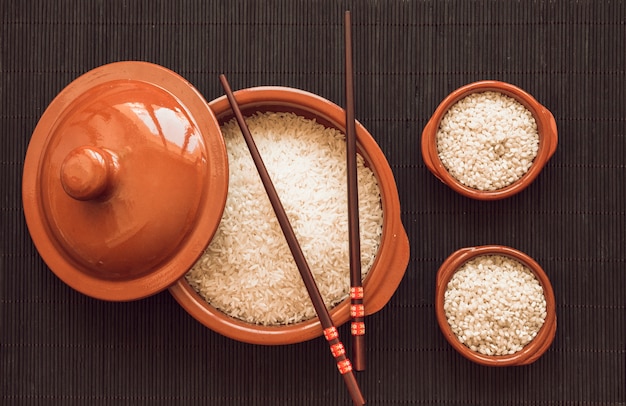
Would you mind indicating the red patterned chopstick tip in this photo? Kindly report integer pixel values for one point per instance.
(344, 366)
(357, 328)
(356, 292)
(331, 333)
(337, 350)
(357, 310)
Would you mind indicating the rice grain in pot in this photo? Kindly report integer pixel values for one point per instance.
(247, 271)
(495, 305)
(487, 140)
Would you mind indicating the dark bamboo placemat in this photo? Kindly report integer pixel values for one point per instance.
(58, 347)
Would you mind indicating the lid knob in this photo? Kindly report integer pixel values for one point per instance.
(87, 172)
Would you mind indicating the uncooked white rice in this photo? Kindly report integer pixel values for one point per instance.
(248, 271)
(495, 305)
(487, 140)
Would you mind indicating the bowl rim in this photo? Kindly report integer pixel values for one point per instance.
(546, 128)
(531, 351)
(393, 253)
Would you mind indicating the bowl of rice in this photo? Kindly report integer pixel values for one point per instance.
(489, 140)
(246, 285)
(495, 305)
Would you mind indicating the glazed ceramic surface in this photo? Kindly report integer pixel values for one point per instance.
(393, 254)
(125, 180)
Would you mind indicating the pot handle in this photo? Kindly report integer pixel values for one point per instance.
(552, 133)
(427, 137)
(395, 273)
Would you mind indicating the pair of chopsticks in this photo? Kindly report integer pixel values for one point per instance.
(356, 291)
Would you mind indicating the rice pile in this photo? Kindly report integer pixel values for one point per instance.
(247, 271)
(487, 140)
(495, 305)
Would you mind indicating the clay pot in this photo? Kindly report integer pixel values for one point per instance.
(546, 126)
(393, 255)
(125, 180)
(531, 351)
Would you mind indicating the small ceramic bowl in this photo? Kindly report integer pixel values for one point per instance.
(546, 127)
(531, 351)
(393, 254)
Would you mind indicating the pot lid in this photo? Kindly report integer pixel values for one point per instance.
(125, 180)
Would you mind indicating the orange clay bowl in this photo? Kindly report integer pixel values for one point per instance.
(546, 126)
(393, 254)
(531, 351)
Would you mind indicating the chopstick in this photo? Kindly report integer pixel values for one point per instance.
(357, 308)
(330, 331)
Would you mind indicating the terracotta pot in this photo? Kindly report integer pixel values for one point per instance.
(546, 126)
(125, 180)
(393, 255)
(531, 351)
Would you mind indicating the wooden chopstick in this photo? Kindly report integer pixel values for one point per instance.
(357, 309)
(330, 331)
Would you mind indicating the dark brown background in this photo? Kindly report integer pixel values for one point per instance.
(58, 347)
